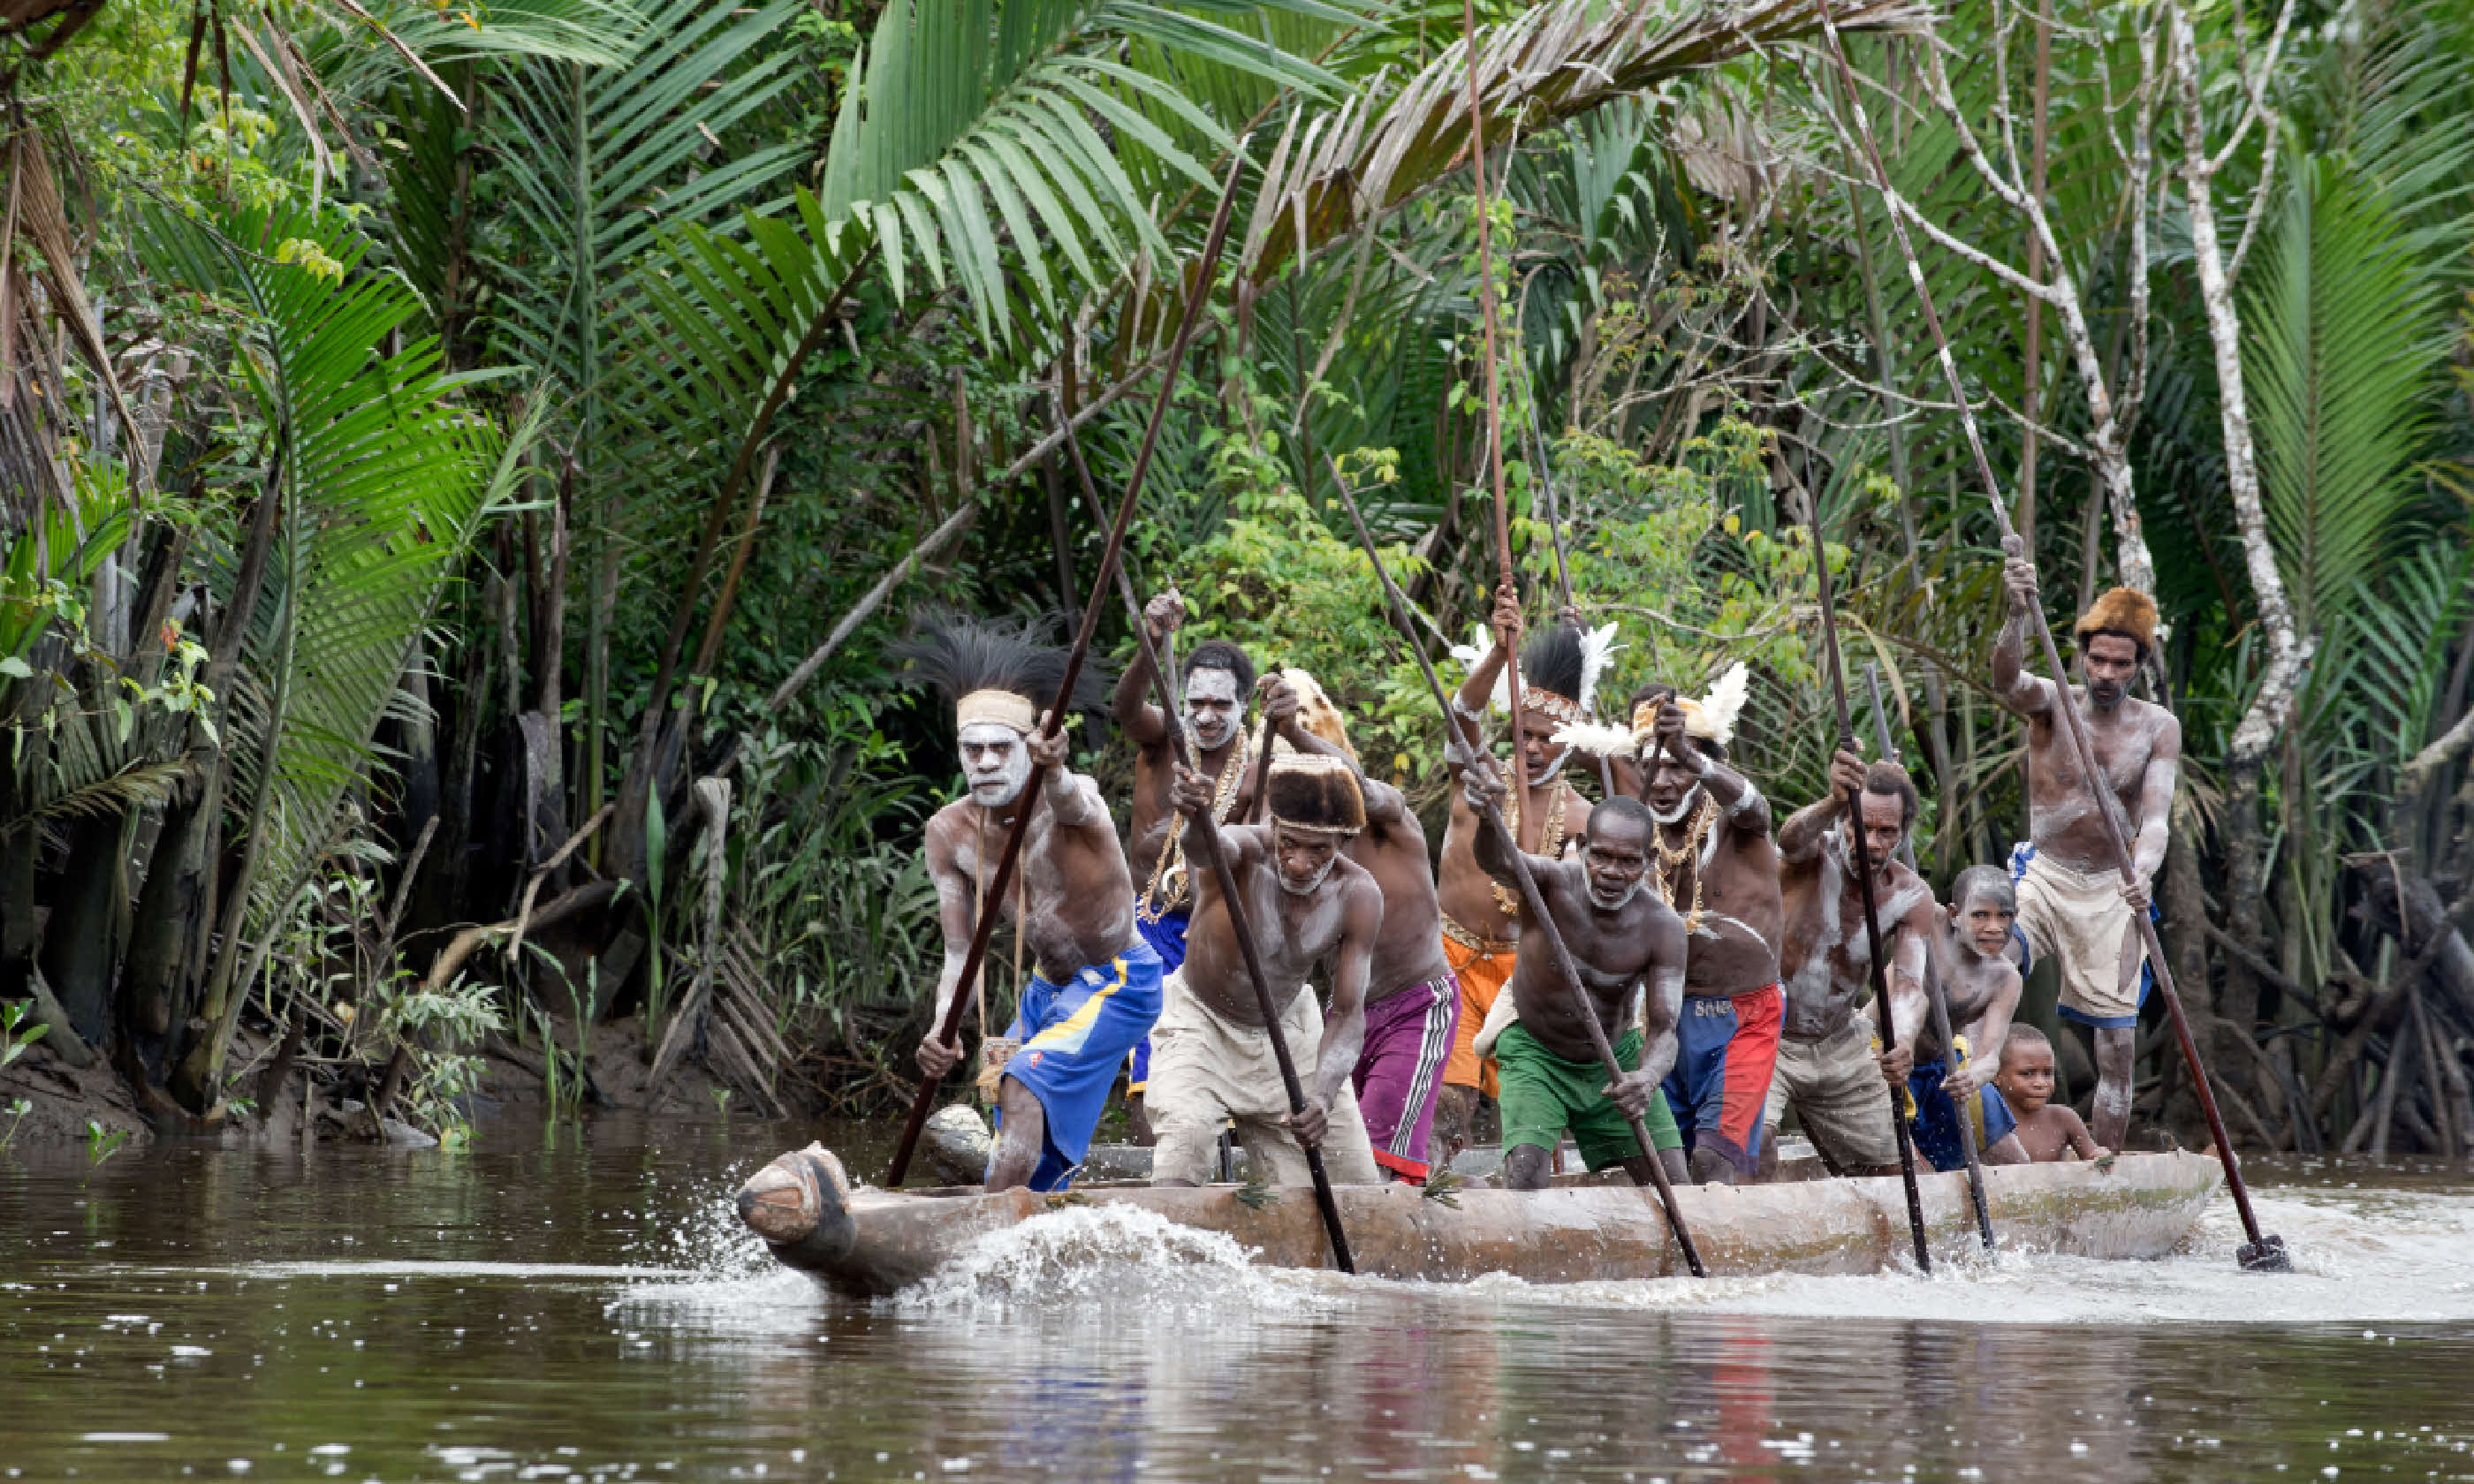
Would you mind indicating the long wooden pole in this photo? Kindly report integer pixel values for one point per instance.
(1935, 994)
(951, 1026)
(1564, 574)
(1486, 298)
(1532, 905)
(1863, 852)
(2262, 1252)
(1202, 837)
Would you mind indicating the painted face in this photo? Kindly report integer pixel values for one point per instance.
(994, 763)
(1538, 753)
(1984, 923)
(1213, 707)
(1674, 790)
(1616, 859)
(2108, 661)
(1306, 858)
(2026, 1077)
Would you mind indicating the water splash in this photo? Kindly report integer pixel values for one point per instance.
(2383, 1255)
(1108, 1257)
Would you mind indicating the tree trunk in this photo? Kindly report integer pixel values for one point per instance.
(2271, 708)
(82, 941)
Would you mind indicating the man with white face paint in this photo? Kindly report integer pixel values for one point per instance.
(1718, 867)
(1217, 677)
(1623, 939)
(1307, 902)
(1097, 988)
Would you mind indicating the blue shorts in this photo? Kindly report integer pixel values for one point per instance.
(1935, 1125)
(1074, 1038)
(1725, 1053)
(1167, 936)
(2021, 854)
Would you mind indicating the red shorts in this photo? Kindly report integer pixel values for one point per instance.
(1726, 1050)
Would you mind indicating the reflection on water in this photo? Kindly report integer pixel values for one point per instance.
(594, 1312)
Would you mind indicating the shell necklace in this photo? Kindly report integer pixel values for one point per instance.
(1687, 856)
(1167, 888)
(1550, 844)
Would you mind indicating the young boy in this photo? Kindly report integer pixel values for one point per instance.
(2047, 1130)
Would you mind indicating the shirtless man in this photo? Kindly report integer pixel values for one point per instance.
(1481, 920)
(1621, 938)
(1307, 902)
(2073, 903)
(1832, 1070)
(1217, 675)
(1717, 866)
(1412, 1001)
(1097, 988)
(1970, 960)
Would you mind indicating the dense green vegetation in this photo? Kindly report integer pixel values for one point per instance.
(462, 463)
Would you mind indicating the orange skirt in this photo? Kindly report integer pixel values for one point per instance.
(1482, 976)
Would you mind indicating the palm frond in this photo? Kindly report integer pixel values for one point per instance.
(383, 478)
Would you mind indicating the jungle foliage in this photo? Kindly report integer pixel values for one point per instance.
(460, 466)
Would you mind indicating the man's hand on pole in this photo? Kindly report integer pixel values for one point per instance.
(1164, 614)
(2018, 577)
(1507, 620)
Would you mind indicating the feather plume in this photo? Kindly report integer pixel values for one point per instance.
(1724, 703)
(1596, 740)
(1597, 648)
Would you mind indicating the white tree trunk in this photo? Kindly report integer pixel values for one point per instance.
(2273, 708)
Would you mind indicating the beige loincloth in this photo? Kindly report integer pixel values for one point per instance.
(2080, 918)
(1207, 1072)
(1838, 1095)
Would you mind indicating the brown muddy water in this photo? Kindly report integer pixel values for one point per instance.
(587, 1308)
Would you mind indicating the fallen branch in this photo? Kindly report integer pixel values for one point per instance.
(462, 946)
(532, 888)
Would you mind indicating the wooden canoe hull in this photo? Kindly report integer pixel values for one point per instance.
(867, 1242)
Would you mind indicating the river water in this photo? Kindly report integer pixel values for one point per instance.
(585, 1306)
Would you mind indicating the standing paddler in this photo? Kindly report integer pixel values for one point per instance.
(1212, 1058)
(1412, 1000)
(2073, 904)
(1097, 988)
(1717, 866)
(1480, 916)
(1215, 678)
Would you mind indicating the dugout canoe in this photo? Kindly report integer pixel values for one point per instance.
(867, 1242)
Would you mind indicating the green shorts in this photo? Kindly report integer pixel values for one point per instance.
(1543, 1095)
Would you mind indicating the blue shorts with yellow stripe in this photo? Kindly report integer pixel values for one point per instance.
(1074, 1036)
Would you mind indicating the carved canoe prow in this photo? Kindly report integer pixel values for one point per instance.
(868, 1242)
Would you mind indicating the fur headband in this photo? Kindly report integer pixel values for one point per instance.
(1316, 713)
(2123, 611)
(1314, 791)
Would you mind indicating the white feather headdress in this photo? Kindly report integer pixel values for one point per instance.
(1712, 718)
(1597, 740)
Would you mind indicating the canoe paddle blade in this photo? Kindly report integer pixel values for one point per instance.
(2267, 1255)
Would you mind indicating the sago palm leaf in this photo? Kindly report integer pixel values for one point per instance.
(1396, 134)
(2343, 360)
(966, 120)
(593, 161)
(382, 479)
